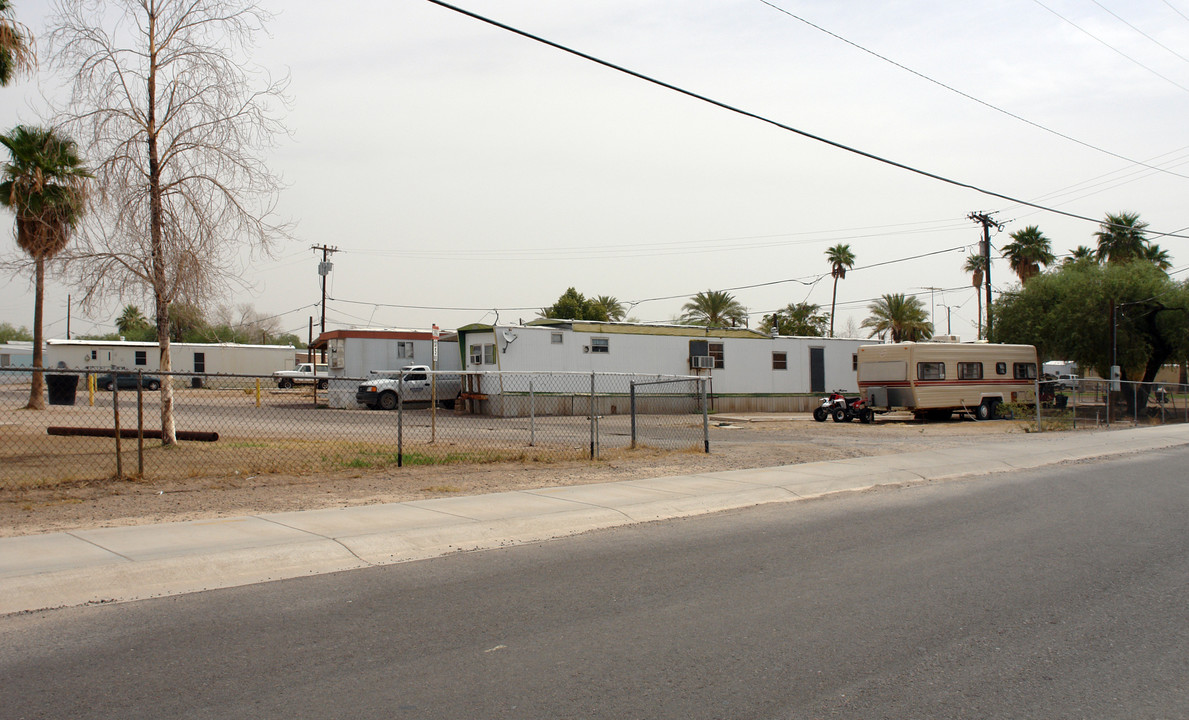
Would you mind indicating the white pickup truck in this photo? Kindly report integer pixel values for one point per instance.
(303, 374)
(383, 389)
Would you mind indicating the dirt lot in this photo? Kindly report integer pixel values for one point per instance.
(735, 444)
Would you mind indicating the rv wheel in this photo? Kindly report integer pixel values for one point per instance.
(985, 411)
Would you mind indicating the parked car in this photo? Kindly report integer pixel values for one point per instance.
(149, 382)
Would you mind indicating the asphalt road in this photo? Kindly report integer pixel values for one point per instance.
(1060, 593)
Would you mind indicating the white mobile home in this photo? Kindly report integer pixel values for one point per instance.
(746, 369)
(200, 358)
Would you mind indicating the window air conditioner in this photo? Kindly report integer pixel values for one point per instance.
(703, 362)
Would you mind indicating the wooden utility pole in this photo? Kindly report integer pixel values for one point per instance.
(324, 268)
(987, 222)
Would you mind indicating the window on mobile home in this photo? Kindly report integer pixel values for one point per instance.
(970, 371)
(1025, 371)
(600, 345)
(142, 357)
(489, 354)
(199, 362)
(931, 371)
(476, 355)
(718, 353)
(556, 338)
(404, 349)
(780, 361)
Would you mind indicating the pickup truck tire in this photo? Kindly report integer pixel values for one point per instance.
(285, 383)
(388, 400)
(323, 384)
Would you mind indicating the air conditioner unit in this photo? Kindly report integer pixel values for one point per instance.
(702, 362)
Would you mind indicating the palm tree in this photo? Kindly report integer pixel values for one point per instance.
(803, 318)
(609, 306)
(1028, 250)
(16, 47)
(713, 308)
(43, 184)
(841, 259)
(131, 320)
(976, 265)
(1158, 256)
(1121, 238)
(1079, 254)
(904, 318)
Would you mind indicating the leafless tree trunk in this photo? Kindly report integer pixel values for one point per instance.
(175, 122)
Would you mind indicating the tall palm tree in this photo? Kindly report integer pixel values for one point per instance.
(609, 306)
(1121, 238)
(1158, 256)
(976, 265)
(903, 318)
(1028, 250)
(43, 184)
(713, 308)
(16, 47)
(841, 259)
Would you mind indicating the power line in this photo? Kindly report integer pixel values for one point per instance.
(1106, 44)
(966, 95)
(761, 118)
(1141, 32)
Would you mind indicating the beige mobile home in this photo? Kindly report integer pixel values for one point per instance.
(936, 379)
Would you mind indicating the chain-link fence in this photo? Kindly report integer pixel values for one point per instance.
(1093, 402)
(98, 426)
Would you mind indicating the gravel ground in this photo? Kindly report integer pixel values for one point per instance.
(737, 442)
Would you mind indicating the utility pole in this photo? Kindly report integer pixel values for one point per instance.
(987, 222)
(324, 269)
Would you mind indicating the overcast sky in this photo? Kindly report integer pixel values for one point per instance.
(457, 165)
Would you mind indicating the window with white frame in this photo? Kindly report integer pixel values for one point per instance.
(600, 345)
(489, 354)
(404, 349)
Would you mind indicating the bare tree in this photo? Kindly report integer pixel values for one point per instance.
(176, 123)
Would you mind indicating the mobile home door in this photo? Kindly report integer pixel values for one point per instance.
(817, 369)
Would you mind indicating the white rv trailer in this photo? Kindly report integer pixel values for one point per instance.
(937, 379)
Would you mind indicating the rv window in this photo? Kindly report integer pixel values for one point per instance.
(854, 362)
(780, 361)
(931, 371)
(600, 345)
(716, 352)
(1001, 368)
(970, 371)
(1025, 371)
(142, 357)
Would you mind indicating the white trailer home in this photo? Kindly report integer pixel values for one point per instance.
(747, 370)
(200, 358)
(937, 379)
(354, 354)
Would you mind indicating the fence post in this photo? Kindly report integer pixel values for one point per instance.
(1036, 399)
(1135, 402)
(632, 405)
(532, 415)
(257, 392)
(400, 421)
(1074, 392)
(705, 417)
(140, 424)
(593, 431)
(115, 403)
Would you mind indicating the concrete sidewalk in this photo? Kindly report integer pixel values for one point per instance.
(130, 563)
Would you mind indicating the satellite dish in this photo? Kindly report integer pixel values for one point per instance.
(508, 336)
